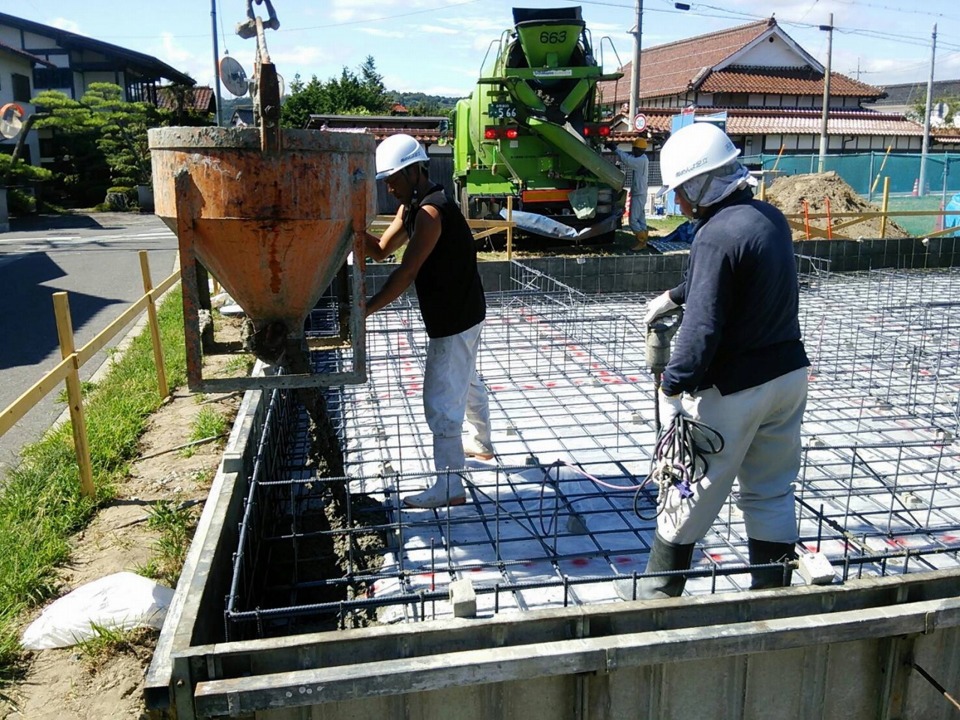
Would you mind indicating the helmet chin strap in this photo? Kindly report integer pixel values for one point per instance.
(418, 184)
(695, 202)
(414, 184)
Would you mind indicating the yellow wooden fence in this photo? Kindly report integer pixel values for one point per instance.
(68, 369)
(480, 228)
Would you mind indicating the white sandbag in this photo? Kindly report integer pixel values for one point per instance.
(121, 601)
(231, 309)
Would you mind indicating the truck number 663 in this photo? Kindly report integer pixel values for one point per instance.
(552, 38)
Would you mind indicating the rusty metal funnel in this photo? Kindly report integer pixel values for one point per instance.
(273, 228)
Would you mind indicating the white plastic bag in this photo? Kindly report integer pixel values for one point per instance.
(121, 601)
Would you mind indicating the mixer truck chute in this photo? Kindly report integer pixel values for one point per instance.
(531, 130)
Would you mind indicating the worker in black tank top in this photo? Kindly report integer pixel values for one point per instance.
(441, 261)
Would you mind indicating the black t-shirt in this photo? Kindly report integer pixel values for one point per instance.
(448, 284)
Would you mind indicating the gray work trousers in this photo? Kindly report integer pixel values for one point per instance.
(761, 431)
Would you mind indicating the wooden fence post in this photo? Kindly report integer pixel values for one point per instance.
(154, 326)
(509, 227)
(884, 207)
(81, 446)
(826, 200)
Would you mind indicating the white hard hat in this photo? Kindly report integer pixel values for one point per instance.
(396, 152)
(694, 150)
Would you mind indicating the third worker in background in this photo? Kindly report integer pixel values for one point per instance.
(441, 261)
(637, 164)
(738, 363)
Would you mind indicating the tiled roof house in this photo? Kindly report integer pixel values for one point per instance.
(198, 98)
(771, 90)
(35, 57)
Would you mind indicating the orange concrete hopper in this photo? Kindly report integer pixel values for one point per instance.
(273, 228)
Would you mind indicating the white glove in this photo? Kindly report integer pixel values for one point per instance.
(669, 406)
(660, 305)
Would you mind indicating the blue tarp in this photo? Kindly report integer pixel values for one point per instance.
(683, 233)
(950, 221)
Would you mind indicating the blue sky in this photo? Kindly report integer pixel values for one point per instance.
(438, 46)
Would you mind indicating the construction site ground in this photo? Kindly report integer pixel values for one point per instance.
(63, 684)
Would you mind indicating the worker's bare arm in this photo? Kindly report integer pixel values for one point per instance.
(426, 232)
(392, 239)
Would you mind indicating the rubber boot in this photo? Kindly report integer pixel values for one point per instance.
(642, 236)
(763, 552)
(664, 556)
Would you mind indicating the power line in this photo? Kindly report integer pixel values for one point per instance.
(896, 9)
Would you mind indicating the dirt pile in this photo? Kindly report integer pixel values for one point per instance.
(790, 191)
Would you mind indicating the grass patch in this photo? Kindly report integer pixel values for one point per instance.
(175, 522)
(239, 365)
(108, 642)
(40, 501)
(208, 423)
(86, 387)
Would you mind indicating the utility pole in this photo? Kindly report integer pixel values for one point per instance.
(216, 60)
(921, 183)
(826, 95)
(635, 68)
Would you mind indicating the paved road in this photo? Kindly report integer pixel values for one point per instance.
(92, 257)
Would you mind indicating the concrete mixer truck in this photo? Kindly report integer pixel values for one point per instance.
(531, 130)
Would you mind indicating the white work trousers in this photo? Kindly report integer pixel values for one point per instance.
(638, 209)
(761, 432)
(452, 390)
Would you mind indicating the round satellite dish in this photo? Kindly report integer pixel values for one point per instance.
(232, 76)
(11, 120)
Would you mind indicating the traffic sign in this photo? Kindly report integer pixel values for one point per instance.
(640, 122)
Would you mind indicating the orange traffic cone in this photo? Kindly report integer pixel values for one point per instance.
(916, 187)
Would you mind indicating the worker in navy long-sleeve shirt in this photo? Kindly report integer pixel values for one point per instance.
(740, 327)
(738, 364)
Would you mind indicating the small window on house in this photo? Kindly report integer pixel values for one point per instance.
(21, 88)
(52, 78)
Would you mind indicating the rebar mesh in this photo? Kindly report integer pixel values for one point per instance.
(564, 509)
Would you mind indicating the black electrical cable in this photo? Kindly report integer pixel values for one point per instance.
(679, 460)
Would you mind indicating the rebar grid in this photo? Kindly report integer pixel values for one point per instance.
(563, 510)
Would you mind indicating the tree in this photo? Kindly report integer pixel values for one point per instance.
(950, 109)
(360, 93)
(19, 175)
(100, 140)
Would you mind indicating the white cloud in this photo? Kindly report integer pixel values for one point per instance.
(68, 25)
(438, 29)
(299, 56)
(348, 11)
(172, 52)
(377, 32)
